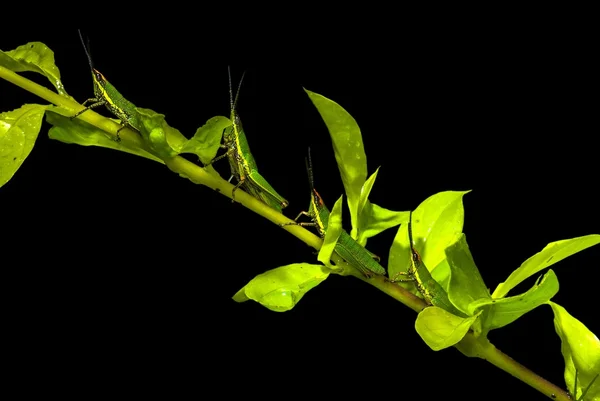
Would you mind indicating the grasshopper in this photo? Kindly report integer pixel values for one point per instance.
(432, 291)
(106, 94)
(242, 163)
(350, 250)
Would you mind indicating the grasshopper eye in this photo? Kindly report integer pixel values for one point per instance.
(99, 75)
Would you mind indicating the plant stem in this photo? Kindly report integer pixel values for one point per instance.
(470, 345)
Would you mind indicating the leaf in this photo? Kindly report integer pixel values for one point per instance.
(365, 191)
(436, 223)
(334, 229)
(441, 329)
(207, 140)
(79, 132)
(581, 351)
(282, 288)
(466, 284)
(348, 148)
(552, 253)
(161, 138)
(19, 130)
(506, 310)
(373, 219)
(36, 57)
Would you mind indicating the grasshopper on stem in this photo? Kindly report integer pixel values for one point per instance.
(242, 163)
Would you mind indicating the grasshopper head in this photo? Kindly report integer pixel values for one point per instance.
(98, 77)
(318, 211)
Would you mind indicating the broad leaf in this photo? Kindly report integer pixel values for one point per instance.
(466, 284)
(581, 351)
(441, 329)
(19, 130)
(79, 132)
(436, 223)
(206, 141)
(282, 288)
(160, 136)
(334, 228)
(348, 148)
(506, 310)
(552, 253)
(36, 57)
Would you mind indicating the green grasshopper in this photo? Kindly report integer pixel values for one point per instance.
(432, 291)
(242, 163)
(350, 250)
(106, 94)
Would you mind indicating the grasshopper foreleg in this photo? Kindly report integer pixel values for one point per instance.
(98, 103)
(395, 279)
(216, 159)
(295, 223)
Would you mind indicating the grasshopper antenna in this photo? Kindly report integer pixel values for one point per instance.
(309, 170)
(410, 236)
(86, 48)
(232, 101)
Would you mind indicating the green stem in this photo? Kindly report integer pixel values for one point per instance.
(470, 345)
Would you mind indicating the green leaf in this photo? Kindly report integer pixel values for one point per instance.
(19, 130)
(334, 229)
(36, 57)
(365, 191)
(466, 284)
(348, 148)
(436, 223)
(373, 219)
(581, 351)
(282, 288)
(79, 132)
(552, 253)
(160, 137)
(506, 310)
(207, 140)
(441, 329)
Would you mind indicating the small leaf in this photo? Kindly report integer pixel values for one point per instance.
(19, 130)
(436, 223)
(376, 219)
(581, 351)
(506, 310)
(441, 329)
(373, 219)
(466, 284)
(552, 253)
(334, 229)
(79, 132)
(365, 191)
(36, 57)
(348, 148)
(207, 140)
(160, 136)
(282, 288)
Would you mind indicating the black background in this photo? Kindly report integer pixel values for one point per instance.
(124, 269)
